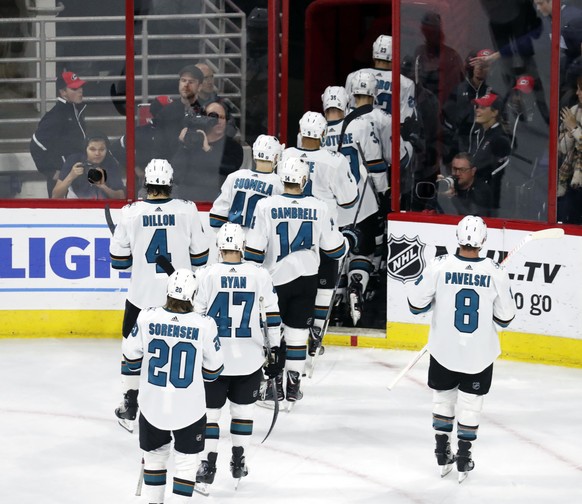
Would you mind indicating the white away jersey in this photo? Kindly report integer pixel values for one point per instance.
(230, 294)
(359, 130)
(239, 195)
(468, 297)
(383, 99)
(150, 228)
(287, 233)
(176, 353)
(330, 178)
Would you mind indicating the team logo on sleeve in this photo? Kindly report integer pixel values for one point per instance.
(405, 258)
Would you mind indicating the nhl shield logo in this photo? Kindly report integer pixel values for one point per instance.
(405, 258)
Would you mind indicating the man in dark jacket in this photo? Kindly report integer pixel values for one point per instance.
(61, 131)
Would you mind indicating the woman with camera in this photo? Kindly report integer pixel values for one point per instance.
(207, 155)
(92, 174)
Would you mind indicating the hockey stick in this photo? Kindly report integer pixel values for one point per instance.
(140, 480)
(271, 381)
(340, 268)
(108, 218)
(544, 234)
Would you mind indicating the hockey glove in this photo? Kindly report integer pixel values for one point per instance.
(353, 235)
(276, 361)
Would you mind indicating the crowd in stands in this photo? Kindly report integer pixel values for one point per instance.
(489, 108)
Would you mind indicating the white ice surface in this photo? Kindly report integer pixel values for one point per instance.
(349, 440)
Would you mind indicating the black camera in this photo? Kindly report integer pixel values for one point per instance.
(447, 183)
(95, 175)
(200, 122)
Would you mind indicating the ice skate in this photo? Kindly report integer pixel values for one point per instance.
(205, 474)
(238, 466)
(127, 410)
(266, 392)
(314, 341)
(293, 388)
(444, 456)
(356, 299)
(464, 461)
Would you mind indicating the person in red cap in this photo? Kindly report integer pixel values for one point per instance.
(459, 110)
(61, 131)
(490, 146)
(529, 144)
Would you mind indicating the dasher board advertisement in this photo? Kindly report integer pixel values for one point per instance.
(546, 275)
(59, 259)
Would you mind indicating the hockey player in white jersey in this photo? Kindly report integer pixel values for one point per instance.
(176, 351)
(231, 292)
(382, 71)
(371, 128)
(287, 233)
(470, 297)
(331, 181)
(156, 226)
(243, 188)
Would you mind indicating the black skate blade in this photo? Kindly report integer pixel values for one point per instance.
(126, 424)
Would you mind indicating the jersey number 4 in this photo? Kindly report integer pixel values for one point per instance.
(158, 246)
(467, 311)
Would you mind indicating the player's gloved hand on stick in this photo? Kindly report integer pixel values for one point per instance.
(276, 361)
(353, 235)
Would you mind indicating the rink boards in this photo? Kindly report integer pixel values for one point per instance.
(56, 280)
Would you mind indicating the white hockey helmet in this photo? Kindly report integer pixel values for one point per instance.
(364, 83)
(159, 172)
(293, 171)
(472, 231)
(267, 148)
(231, 237)
(382, 48)
(335, 97)
(312, 125)
(182, 285)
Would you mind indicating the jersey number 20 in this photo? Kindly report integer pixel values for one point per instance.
(181, 358)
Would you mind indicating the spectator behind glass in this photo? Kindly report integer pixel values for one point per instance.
(459, 110)
(570, 172)
(61, 131)
(206, 156)
(528, 176)
(174, 116)
(466, 195)
(440, 67)
(490, 147)
(91, 174)
(207, 90)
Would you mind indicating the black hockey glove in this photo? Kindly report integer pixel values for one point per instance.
(353, 235)
(276, 361)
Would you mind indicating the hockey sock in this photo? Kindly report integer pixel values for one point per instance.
(154, 474)
(470, 406)
(185, 476)
(296, 348)
(241, 425)
(361, 266)
(322, 302)
(212, 432)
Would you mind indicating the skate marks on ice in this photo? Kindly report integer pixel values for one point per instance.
(348, 440)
